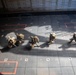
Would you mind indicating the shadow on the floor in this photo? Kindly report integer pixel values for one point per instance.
(27, 47)
(65, 46)
(5, 49)
(45, 44)
(25, 50)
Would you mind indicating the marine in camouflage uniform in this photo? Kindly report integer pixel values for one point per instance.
(11, 42)
(20, 38)
(73, 38)
(51, 38)
(34, 40)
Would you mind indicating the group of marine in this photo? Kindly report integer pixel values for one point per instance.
(12, 42)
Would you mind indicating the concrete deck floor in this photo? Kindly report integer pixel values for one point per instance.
(57, 59)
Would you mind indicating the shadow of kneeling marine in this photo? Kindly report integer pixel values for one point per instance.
(33, 41)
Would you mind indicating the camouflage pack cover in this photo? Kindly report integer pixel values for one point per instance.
(11, 34)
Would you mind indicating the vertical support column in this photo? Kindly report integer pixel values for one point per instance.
(31, 5)
(2, 1)
(43, 1)
(69, 3)
(56, 4)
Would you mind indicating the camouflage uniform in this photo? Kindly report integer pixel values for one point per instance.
(51, 38)
(34, 40)
(11, 42)
(20, 39)
(73, 38)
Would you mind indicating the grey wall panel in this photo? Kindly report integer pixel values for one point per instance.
(1, 4)
(34, 3)
(40, 5)
(53, 6)
(53, 1)
(65, 1)
(17, 4)
(24, 3)
(73, 0)
(47, 3)
(11, 4)
(60, 1)
(73, 4)
(50, 4)
(65, 6)
(59, 4)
